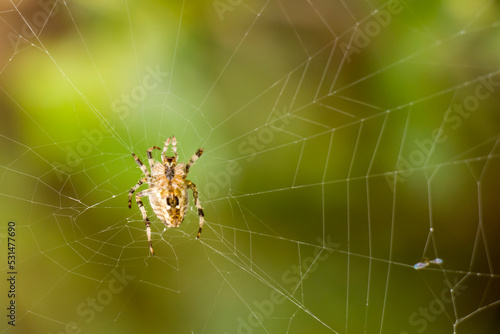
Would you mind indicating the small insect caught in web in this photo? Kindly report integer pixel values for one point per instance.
(427, 262)
(168, 188)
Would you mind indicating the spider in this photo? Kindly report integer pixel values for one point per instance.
(168, 188)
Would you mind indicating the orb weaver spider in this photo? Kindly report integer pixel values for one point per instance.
(168, 188)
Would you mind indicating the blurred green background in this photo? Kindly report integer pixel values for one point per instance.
(345, 141)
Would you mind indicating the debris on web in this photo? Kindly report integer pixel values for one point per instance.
(425, 263)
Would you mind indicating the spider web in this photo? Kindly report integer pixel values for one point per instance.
(350, 148)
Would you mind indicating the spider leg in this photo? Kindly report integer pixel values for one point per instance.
(193, 159)
(134, 188)
(192, 186)
(150, 157)
(141, 165)
(146, 220)
(165, 148)
(174, 147)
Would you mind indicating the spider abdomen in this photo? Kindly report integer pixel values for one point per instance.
(170, 207)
